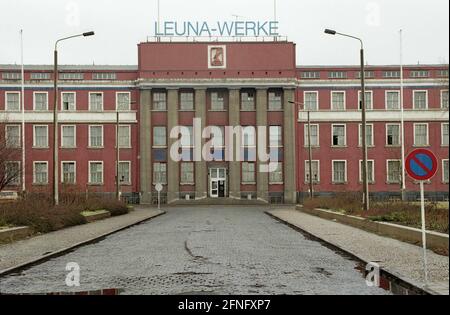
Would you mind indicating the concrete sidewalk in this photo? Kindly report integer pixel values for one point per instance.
(403, 260)
(35, 249)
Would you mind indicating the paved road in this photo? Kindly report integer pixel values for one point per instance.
(201, 250)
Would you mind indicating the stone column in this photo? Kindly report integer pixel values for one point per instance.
(262, 179)
(173, 172)
(201, 171)
(290, 187)
(234, 165)
(145, 127)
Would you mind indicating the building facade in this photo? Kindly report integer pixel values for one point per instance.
(184, 103)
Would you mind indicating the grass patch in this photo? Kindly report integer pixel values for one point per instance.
(91, 213)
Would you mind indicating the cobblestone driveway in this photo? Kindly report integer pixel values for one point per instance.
(201, 250)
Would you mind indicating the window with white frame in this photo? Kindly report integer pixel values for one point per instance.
(276, 177)
(310, 75)
(104, 76)
(11, 76)
(95, 173)
(394, 171)
(444, 99)
(420, 100)
(68, 136)
(444, 135)
(218, 136)
(367, 74)
(95, 102)
(159, 101)
(40, 173)
(123, 101)
(248, 137)
(369, 100)
(275, 100)
(160, 173)
(68, 173)
(12, 173)
(369, 135)
(71, 76)
(339, 136)
(187, 101)
(392, 100)
(40, 76)
(248, 173)
(187, 173)
(125, 136)
(248, 100)
(159, 136)
(421, 135)
(393, 134)
(187, 137)
(339, 172)
(218, 100)
(40, 101)
(13, 136)
(40, 136)
(445, 171)
(442, 73)
(419, 74)
(95, 136)
(12, 101)
(315, 164)
(124, 172)
(370, 171)
(337, 75)
(68, 101)
(314, 135)
(337, 100)
(311, 101)
(391, 74)
(275, 136)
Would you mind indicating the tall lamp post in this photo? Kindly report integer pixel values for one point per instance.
(364, 121)
(55, 116)
(311, 182)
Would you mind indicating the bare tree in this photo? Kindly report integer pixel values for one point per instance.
(10, 170)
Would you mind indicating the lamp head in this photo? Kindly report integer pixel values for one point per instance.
(330, 32)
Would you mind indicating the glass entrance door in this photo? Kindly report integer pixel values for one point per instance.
(217, 182)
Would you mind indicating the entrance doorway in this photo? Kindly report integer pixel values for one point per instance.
(218, 183)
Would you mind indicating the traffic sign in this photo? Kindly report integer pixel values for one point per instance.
(159, 187)
(421, 164)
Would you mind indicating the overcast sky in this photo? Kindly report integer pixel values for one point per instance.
(120, 25)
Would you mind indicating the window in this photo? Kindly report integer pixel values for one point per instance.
(12, 173)
(337, 75)
(40, 76)
(187, 101)
(159, 101)
(249, 137)
(124, 172)
(96, 102)
(392, 100)
(159, 173)
(68, 173)
(71, 76)
(368, 74)
(370, 171)
(393, 134)
(95, 173)
(394, 171)
(12, 101)
(338, 100)
(369, 135)
(421, 135)
(95, 136)
(339, 172)
(104, 76)
(12, 136)
(314, 135)
(124, 136)
(420, 100)
(419, 74)
(315, 171)
(444, 99)
(40, 137)
(276, 177)
(248, 173)
(248, 101)
(159, 137)
(310, 75)
(275, 100)
(217, 101)
(123, 100)
(187, 173)
(443, 73)
(68, 101)
(311, 101)
(444, 135)
(218, 136)
(391, 74)
(40, 173)
(339, 136)
(369, 100)
(187, 137)
(68, 137)
(445, 171)
(40, 101)
(275, 137)
(11, 76)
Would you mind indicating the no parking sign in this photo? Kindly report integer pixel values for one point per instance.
(421, 164)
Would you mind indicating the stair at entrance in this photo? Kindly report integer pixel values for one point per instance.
(218, 202)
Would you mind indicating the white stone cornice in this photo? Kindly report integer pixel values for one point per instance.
(375, 116)
(80, 117)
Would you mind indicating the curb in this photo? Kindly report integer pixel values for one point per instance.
(399, 283)
(72, 247)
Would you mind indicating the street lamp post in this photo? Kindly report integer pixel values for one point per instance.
(364, 120)
(55, 116)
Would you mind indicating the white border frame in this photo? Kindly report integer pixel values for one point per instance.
(428, 135)
(399, 135)
(20, 136)
(89, 137)
(317, 100)
(307, 169)
(414, 99)
(129, 146)
(187, 183)
(442, 99)
(360, 135)
(129, 172)
(386, 99)
(74, 102)
(345, 135)
(34, 101)
(6, 101)
(305, 130)
(210, 48)
(153, 173)
(360, 179)
(442, 135)
(371, 99)
(74, 135)
(18, 178)
(345, 101)
(34, 172)
(89, 173)
(34, 137)
(103, 102)
(75, 172)
(387, 171)
(282, 163)
(129, 103)
(443, 173)
(332, 172)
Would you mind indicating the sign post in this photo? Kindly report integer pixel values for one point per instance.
(159, 188)
(422, 165)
